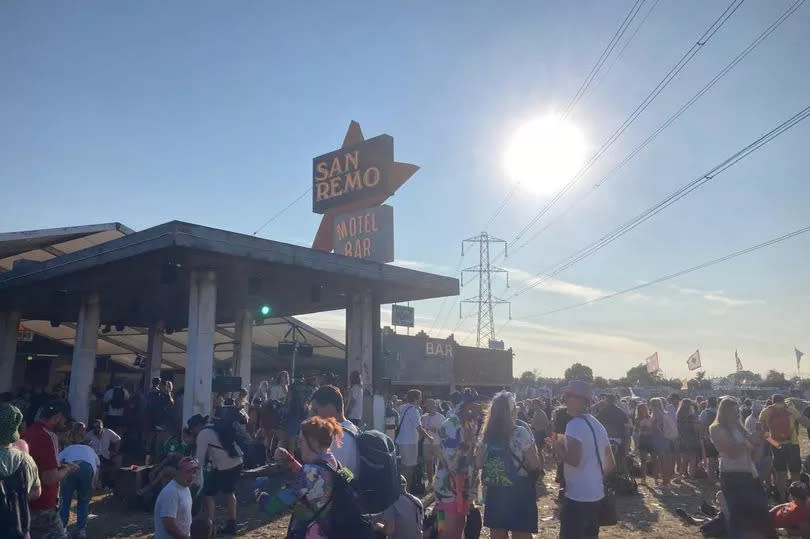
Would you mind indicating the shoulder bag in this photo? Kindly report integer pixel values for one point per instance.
(607, 506)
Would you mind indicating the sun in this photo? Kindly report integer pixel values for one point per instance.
(545, 153)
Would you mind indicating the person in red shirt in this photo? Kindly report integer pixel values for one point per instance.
(43, 446)
(794, 515)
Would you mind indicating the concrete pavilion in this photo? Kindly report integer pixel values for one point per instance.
(181, 277)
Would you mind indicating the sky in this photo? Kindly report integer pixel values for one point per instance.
(211, 113)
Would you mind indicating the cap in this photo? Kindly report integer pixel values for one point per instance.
(53, 407)
(188, 464)
(10, 419)
(196, 420)
(578, 388)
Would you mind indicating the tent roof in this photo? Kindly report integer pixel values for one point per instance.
(46, 244)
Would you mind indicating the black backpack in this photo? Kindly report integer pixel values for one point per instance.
(346, 518)
(119, 398)
(15, 517)
(378, 482)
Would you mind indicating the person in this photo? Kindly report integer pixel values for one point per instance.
(617, 424)
(106, 443)
(662, 444)
(587, 457)
(327, 402)
(221, 459)
(310, 492)
(115, 399)
(508, 458)
(689, 441)
(404, 519)
(194, 425)
(560, 419)
(172, 514)
(407, 436)
(392, 417)
(643, 439)
(745, 498)
(81, 483)
(431, 448)
(794, 515)
(355, 404)
(540, 424)
(280, 388)
(705, 420)
(297, 408)
(20, 479)
(455, 484)
(261, 391)
(781, 422)
(42, 442)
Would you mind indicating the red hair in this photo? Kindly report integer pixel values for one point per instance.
(322, 431)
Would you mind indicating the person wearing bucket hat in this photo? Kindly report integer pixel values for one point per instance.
(587, 457)
(18, 469)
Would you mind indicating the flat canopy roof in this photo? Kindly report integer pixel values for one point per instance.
(143, 277)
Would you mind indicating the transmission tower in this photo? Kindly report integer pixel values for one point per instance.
(485, 300)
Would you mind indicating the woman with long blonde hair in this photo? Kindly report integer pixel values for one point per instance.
(661, 445)
(743, 492)
(508, 458)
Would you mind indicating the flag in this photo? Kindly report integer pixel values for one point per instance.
(694, 361)
(652, 363)
(799, 355)
(739, 363)
(685, 385)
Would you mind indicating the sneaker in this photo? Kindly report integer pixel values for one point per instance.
(707, 509)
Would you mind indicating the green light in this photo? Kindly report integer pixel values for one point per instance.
(264, 310)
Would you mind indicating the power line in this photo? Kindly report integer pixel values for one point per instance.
(669, 200)
(617, 36)
(677, 114)
(628, 19)
(663, 83)
(284, 209)
(680, 273)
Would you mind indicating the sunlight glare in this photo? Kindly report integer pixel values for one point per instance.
(545, 153)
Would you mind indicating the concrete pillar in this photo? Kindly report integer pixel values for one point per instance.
(360, 339)
(8, 349)
(154, 357)
(202, 308)
(243, 348)
(84, 358)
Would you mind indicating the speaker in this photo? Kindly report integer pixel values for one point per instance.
(285, 348)
(304, 349)
(226, 384)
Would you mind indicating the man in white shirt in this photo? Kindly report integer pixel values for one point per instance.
(327, 401)
(115, 400)
(173, 504)
(222, 459)
(105, 442)
(355, 405)
(410, 427)
(431, 449)
(587, 457)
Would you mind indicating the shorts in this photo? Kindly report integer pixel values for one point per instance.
(408, 454)
(451, 508)
(46, 524)
(224, 481)
(579, 519)
(786, 458)
(431, 451)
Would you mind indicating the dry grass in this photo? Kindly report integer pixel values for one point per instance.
(649, 515)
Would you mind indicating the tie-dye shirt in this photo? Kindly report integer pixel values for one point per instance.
(456, 461)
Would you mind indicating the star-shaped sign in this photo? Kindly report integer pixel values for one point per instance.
(361, 174)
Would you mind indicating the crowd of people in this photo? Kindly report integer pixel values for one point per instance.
(482, 459)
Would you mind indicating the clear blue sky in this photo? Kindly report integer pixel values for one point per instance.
(211, 112)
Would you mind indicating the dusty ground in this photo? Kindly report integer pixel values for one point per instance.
(649, 515)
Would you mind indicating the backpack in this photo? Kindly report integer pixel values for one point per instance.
(378, 482)
(499, 468)
(346, 519)
(119, 398)
(780, 424)
(15, 516)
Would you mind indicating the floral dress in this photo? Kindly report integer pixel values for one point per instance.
(456, 464)
(309, 494)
